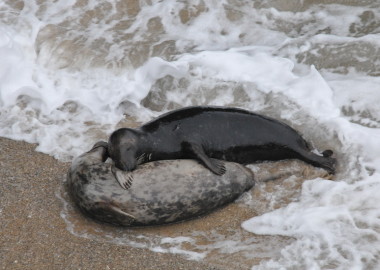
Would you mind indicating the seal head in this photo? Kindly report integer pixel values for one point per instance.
(123, 148)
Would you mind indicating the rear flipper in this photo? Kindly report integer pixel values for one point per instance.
(328, 164)
(214, 165)
(326, 161)
(327, 153)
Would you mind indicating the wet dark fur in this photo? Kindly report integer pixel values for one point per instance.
(212, 132)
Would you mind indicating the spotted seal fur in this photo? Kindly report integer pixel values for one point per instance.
(162, 192)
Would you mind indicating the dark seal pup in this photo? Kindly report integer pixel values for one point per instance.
(203, 133)
(163, 191)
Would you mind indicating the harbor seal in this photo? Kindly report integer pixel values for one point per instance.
(209, 135)
(163, 191)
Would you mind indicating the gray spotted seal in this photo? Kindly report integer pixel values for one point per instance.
(209, 135)
(162, 191)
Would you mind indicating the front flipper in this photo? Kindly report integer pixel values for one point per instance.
(125, 217)
(124, 178)
(113, 214)
(214, 165)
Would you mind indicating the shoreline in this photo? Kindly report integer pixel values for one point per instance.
(34, 235)
(41, 228)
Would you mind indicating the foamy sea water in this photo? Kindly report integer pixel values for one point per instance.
(73, 71)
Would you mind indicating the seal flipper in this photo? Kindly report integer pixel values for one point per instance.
(125, 217)
(214, 165)
(113, 214)
(327, 153)
(124, 178)
(325, 161)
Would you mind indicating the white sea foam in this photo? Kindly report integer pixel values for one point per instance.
(70, 71)
(336, 226)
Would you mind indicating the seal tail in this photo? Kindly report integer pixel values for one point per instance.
(329, 162)
(326, 161)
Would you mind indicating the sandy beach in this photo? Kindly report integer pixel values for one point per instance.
(34, 235)
(41, 229)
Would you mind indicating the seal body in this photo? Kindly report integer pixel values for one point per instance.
(162, 191)
(203, 133)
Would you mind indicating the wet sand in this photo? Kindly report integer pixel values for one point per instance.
(34, 235)
(40, 228)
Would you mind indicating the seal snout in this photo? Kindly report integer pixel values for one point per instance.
(125, 165)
